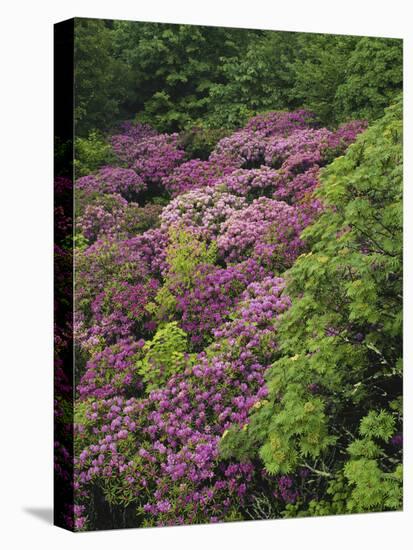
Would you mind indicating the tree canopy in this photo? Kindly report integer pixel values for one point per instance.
(177, 77)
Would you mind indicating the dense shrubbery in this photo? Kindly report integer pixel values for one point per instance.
(334, 402)
(238, 324)
(238, 277)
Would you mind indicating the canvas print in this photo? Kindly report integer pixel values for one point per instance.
(228, 274)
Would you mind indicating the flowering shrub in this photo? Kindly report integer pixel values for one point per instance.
(122, 181)
(130, 135)
(177, 430)
(196, 173)
(203, 211)
(266, 230)
(103, 216)
(252, 183)
(111, 372)
(286, 151)
(280, 123)
(212, 300)
(271, 183)
(117, 312)
(247, 146)
(179, 297)
(156, 157)
(151, 156)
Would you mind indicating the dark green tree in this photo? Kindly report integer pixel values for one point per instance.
(258, 80)
(346, 77)
(101, 79)
(174, 68)
(374, 76)
(176, 77)
(319, 67)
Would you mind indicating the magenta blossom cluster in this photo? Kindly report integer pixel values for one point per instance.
(212, 301)
(156, 457)
(136, 130)
(298, 151)
(197, 173)
(253, 330)
(109, 261)
(271, 183)
(177, 429)
(267, 230)
(103, 216)
(129, 135)
(113, 180)
(153, 157)
(117, 312)
(247, 146)
(111, 372)
(346, 134)
(280, 123)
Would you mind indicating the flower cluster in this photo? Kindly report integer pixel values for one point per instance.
(130, 134)
(212, 301)
(102, 216)
(177, 430)
(107, 215)
(117, 312)
(196, 173)
(180, 273)
(277, 184)
(111, 372)
(203, 211)
(267, 230)
(122, 181)
(247, 146)
(153, 157)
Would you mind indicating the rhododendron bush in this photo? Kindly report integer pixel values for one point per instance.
(198, 395)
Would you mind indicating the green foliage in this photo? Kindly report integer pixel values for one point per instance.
(101, 78)
(346, 77)
(185, 253)
(199, 141)
(92, 153)
(378, 424)
(176, 77)
(374, 76)
(174, 68)
(337, 493)
(339, 371)
(77, 242)
(165, 356)
(318, 71)
(375, 484)
(256, 81)
(374, 489)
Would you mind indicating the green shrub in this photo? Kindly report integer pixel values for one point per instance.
(91, 153)
(165, 356)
